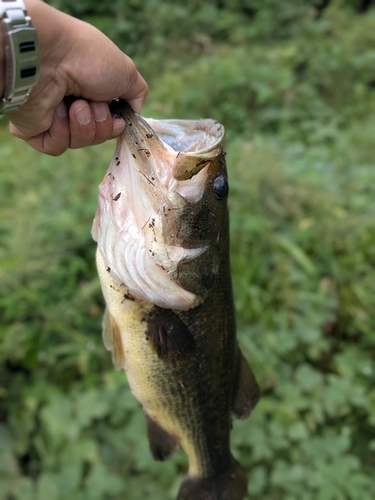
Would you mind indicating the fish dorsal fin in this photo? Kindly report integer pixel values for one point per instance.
(112, 340)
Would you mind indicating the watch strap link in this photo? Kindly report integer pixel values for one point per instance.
(21, 54)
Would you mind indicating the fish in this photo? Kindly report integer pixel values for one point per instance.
(162, 233)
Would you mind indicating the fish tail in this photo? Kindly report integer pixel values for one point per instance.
(230, 485)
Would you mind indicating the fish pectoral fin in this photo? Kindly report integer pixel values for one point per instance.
(248, 391)
(168, 336)
(162, 443)
(112, 340)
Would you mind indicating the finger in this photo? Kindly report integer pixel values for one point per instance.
(118, 126)
(82, 124)
(136, 88)
(106, 126)
(137, 102)
(56, 140)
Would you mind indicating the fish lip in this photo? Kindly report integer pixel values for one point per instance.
(122, 109)
(137, 126)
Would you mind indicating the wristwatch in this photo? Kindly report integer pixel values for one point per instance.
(21, 54)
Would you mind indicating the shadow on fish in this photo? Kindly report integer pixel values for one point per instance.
(162, 230)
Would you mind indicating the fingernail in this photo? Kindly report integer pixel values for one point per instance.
(100, 112)
(83, 114)
(61, 110)
(118, 126)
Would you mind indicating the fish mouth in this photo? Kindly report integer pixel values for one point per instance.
(189, 145)
(159, 177)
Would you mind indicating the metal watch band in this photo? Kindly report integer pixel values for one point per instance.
(21, 54)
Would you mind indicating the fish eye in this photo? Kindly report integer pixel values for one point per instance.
(221, 186)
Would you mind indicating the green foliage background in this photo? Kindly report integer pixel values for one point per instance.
(294, 84)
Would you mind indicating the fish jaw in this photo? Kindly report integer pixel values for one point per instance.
(138, 225)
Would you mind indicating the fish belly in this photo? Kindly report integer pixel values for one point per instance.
(180, 398)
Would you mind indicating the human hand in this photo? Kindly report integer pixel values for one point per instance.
(76, 59)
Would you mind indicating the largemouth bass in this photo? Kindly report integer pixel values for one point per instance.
(162, 230)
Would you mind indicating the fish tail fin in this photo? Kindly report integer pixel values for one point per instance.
(230, 485)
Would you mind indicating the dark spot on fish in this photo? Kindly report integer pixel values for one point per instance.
(133, 155)
(116, 197)
(108, 269)
(149, 136)
(208, 281)
(201, 162)
(129, 296)
(168, 336)
(220, 187)
(153, 178)
(116, 158)
(147, 152)
(118, 163)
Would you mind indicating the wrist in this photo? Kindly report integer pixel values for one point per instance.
(20, 55)
(57, 34)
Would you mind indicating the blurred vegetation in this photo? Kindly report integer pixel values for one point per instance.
(294, 84)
